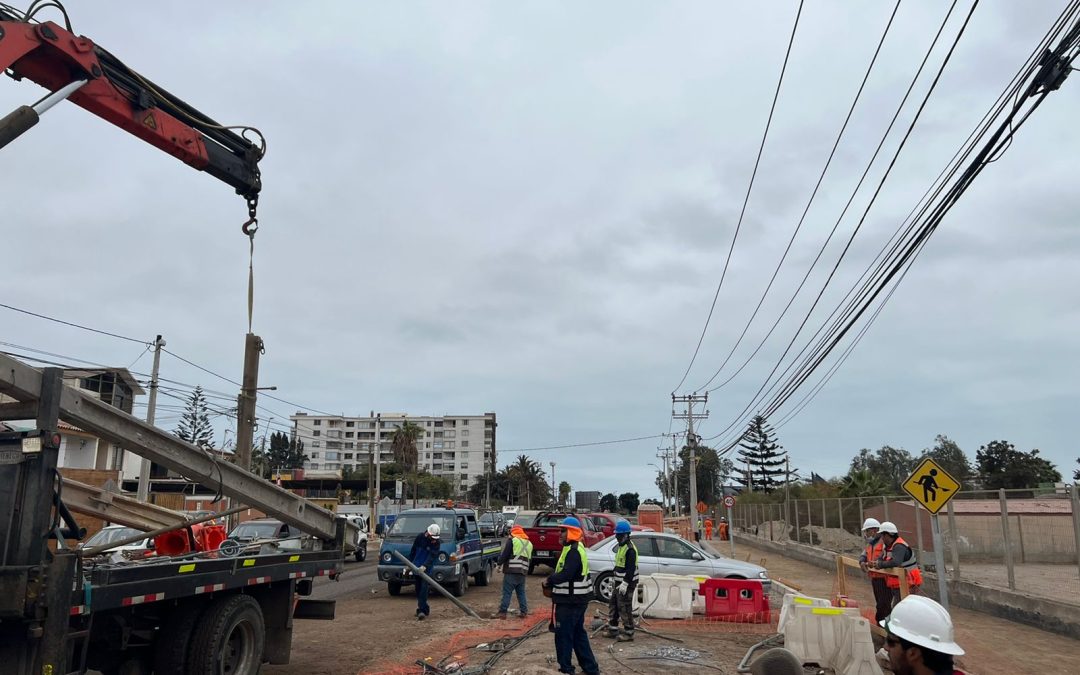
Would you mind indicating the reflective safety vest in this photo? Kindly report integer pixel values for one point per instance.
(873, 552)
(580, 586)
(521, 556)
(911, 565)
(620, 561)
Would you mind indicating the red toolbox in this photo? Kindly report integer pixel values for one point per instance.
(738, 600)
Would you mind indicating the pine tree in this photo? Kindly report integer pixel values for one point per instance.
(284, 453)
(763, 456)
(195, 427)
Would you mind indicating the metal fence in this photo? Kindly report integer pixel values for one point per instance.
(1023, 540)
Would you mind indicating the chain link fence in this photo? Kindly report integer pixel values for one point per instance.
(1022, 540)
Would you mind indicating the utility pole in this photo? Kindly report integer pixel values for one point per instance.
(676, 511)
(378, 467)
(245, 417)
(371, 491)
(151, 407)
(661, 453)
(554, 495)
(691, 442)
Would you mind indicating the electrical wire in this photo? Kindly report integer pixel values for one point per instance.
(813, 194)
(746, 199)
(75, 325)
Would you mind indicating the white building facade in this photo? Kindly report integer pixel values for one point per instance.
(459, 448)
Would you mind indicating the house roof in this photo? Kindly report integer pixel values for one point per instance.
(123, 373)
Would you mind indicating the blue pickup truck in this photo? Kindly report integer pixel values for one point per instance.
(463, 553)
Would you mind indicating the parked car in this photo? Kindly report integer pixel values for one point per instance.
(264, 535)
(492, 524)
(361, 523)
(605, 522)
(659, 552)
(137, 550)
(463, 553)
(544, 535)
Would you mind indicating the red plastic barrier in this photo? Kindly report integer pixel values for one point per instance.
(736, 600)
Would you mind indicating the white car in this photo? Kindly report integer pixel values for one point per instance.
(664, 553)
(360, 554)
(136, 550)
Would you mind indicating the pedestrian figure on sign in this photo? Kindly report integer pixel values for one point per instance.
(930, 486)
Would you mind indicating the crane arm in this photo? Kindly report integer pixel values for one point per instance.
(57, 59)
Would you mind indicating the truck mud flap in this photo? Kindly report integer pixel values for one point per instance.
(308, 608)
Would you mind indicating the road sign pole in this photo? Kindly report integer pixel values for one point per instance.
(730, 530)
(939, 562)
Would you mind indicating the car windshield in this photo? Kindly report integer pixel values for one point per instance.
(414, 524)
(110, 535)
(487, 518)
(255, 531)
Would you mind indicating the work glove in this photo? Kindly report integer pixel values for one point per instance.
(624, 589)
(618, 587)
(423, 568)
(863, 566)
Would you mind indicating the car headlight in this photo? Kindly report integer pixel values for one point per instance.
(763, 575)
(386, 557)
(443, 558)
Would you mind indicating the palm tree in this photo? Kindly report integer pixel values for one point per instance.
(530, 479)
(403, 444)
(862, 483)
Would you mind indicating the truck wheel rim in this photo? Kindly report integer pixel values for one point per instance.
(239, 656)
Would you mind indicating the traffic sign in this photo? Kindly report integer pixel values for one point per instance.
(702, 507)
(931, 486)
(729, 501)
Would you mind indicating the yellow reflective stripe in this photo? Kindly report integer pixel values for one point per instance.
(830, 611)
(187, 568)
(250, 562)
(802, 601)
(294, 558)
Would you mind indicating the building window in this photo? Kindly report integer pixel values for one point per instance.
(464, 477)
(448, 444)
(428, 444)
(439, 423)
(464, 444)
(316, 444)
(314, 455)
(334, 423)
(314, 467)
(464, 465)
(438, 434)
(464, 433)
(333, 455)
(348, 434)
(348, 446)
(316, 432)
(348, 455)
(438, 445)
(350, 424)
(317, 423)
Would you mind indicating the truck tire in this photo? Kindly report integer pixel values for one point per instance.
(229, 638)
(361, 552)
(174, 638)
(461, 586)
(483, 576)
(393, 588)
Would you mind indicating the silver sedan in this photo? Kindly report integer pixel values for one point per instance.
(664, 553)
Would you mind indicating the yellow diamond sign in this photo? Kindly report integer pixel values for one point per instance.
(931, 485)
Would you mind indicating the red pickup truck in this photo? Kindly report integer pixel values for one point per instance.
(605, 522)
(544, 535)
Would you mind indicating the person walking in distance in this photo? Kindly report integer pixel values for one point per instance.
(872, 552)
(571, 592)
(624, 585)
(723, 529)
(896, 552)
(514, 563)
(425, 550)
(920, 639)
(708, 528)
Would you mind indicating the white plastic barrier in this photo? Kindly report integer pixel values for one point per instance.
(797, 599)
(814, 634)
(698, 603)
(668, 596)
(855, 655)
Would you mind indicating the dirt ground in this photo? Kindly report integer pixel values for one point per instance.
(1060, 582)
(373, 632)
(993, 645)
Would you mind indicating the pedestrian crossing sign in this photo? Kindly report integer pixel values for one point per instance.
(931, 485)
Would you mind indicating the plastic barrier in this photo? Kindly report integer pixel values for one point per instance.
(668, 596)
(796, 599)
(814, 634)
(855, 654)
(736, 600)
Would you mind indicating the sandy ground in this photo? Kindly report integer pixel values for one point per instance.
(1060, 582)
(993, 645)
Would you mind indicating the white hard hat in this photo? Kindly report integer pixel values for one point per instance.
(433, 530)
(869, 523)
(923, 622)
(887, 526)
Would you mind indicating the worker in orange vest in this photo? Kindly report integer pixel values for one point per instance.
(897, 553)
(708, 528)
(871, 553)
(723, 529)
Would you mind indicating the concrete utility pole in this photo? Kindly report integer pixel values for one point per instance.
(554, 494)
(246, 414)
(151, 408)
(676, 511)
(378, 468)
(691, 442)
(661, 453)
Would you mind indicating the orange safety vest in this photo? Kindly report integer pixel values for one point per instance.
(873, 552)
(914, 574)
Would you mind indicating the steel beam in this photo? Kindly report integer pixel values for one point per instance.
(17, 410)
(23, 383)
(116, 508)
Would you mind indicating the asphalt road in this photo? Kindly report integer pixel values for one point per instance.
(358, 578)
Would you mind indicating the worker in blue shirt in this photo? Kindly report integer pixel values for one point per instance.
(424, 553)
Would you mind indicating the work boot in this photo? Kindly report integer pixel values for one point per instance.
(499, 615)
(420, 616)
(613, 631)
(625, 637)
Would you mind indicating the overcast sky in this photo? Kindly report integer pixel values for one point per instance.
(525, 208)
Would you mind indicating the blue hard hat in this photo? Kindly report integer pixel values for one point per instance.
(570, 521)
(622, 527)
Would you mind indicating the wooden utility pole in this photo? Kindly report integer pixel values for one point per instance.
(151, 408)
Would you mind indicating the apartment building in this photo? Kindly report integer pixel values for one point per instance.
(459, 448)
